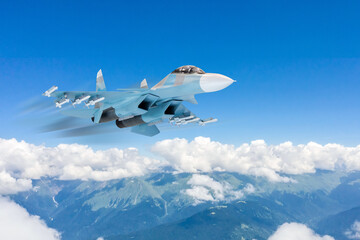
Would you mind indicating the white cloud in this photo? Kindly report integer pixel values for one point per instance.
(354, 231)
(10, 185)
(204, 188)
(17, 224)
(20, 162)
(256, 158)
(297, 231)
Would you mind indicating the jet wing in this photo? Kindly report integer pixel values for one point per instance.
(123, 103)
(108, 95)
(184, 116)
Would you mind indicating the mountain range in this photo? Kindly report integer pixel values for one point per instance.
(217, 205)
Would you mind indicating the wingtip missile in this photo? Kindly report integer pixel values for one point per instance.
(50, 91)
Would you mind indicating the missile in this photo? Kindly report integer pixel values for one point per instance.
(80, 100)
(187, 120)
(192, 120)
(62, 102)
(206, 121)
(179, 119)
(50, 91)
(94, 101)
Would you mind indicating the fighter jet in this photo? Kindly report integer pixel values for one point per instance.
(142, 108)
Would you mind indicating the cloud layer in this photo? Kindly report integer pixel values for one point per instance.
(297, 231)
(17, 224)
(20, 162)
(204, 188)
(256, 158)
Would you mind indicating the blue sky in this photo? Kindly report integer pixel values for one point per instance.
(296, 63)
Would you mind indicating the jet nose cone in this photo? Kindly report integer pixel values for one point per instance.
(212, 82)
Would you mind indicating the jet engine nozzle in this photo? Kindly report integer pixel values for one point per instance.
(212, 82)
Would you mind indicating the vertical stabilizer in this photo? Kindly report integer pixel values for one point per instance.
(144, 84)
(100, 84)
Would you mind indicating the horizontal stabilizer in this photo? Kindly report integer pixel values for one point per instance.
(146, 130)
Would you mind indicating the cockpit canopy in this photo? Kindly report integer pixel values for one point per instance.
(188, 69)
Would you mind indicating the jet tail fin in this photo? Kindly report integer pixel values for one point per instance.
(144, 84)
(100, 84)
